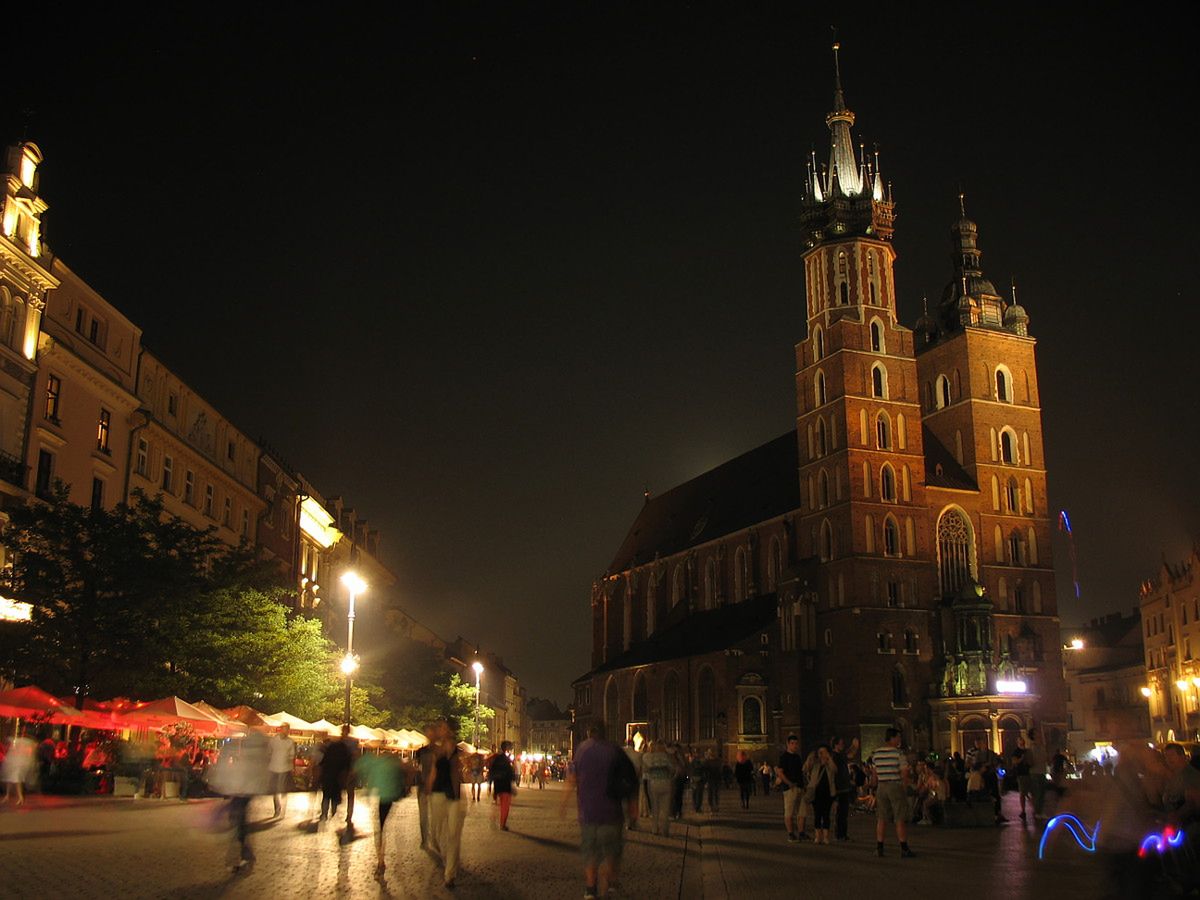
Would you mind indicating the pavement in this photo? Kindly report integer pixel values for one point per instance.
(100, 847)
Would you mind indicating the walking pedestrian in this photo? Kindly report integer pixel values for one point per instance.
(242, 776)
(765, 772)
(712, 779)
(283, 758)
(843, 785)
(743, 774)
(984, 759)
(601, 816)
(446, 811)
(500, 781)
(821, 778)
(696, 780)
(678, 782)
(383, 775)
(335, 770)
(658, 769)
(1035, 760)
(425, 760)
(891, 800)
(790, 774)
(476, 776)
(18, 763)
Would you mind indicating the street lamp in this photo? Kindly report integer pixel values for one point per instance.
(478, 667)
(355, 586)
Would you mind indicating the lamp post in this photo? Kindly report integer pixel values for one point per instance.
(478, 667)
(355, 586)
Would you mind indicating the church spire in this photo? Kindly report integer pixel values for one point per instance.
(845, 177)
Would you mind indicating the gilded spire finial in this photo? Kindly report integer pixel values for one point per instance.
(962, 206)
(1013, 287)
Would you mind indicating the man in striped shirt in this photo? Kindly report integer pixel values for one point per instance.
(891, 796)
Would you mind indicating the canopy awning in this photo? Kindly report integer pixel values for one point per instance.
(32, 701)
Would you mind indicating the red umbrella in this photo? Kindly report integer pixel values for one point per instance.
(168, 711)
(29, 701)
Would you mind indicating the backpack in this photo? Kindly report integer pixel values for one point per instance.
(622, 778)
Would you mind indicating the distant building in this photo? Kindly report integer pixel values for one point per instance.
(1105, 672)
(549, 728)
(1170, 606)
(885, 563)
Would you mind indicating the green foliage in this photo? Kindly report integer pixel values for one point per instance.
(460, 699)
(133, 602)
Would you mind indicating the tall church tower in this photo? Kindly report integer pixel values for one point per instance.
(858, 421)
(980, 403)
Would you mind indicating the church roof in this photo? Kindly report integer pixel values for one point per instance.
(702, 632)
(941, 468)
(754, 487)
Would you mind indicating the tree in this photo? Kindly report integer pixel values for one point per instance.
(460, 699)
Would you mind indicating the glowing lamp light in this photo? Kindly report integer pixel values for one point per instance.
(349, 664)
(15, 610)
(478, 667)
(1011, 687)
(1146, 692)
(1077, 644)
(1196, 682)
(1084, 838)
(354, 583)
(1182, 684)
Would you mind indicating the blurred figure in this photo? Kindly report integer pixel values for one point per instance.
(283, 758)
(1181, 794)
(476, 776)
(243, 774)
(659, 769)
(601, 818)
(820, 791)
(336, 760)
(635, 757)
(383, 775)
(743, 774)
(1128, 809)
(446, 811)
(17, 766)
(425, 759)
(500, 779)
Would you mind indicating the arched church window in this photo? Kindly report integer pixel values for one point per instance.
(710, 584)
(891, 537)
(820, 388)
(874, 297)
(826, 541)
(822, 489)
(883, 432)
(1003, 384)
(878, 381)
(671, 708)
(956, 551)
(1012, 496)
(887, 483)
(818, 344)
(676, 586)
(876, 334)
(844, 293)
(943, 391)
(821, 443)
(752, 716)
(1008, 446)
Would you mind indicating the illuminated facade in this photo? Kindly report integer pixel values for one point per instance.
(1105, 673)
(1170, 606)
(887, 563)
(84, 399)
(25, 278)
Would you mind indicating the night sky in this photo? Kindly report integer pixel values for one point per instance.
(488, 274)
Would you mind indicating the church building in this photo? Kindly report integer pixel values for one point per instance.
(888, 561)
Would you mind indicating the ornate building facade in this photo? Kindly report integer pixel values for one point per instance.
(885, 563)
(1170, 607)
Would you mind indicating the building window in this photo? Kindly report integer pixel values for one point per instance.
(172, 404)
(942, 395)
(53, 395)
(820, 388)
(706, 705)
(752, 716)
(231, 450)
(168, 474)
(1008, 447)
(818, 344)
(910, 641)
(887, 483)
(821, 443)
(899, 689)
(876, 331)
(878, 381)
(208, 500)
(143, 454)
(102, 431)
(45, 472)
(893, 594)
(883, 432)
(844, 294)
(671, 708)
(676, 586)
(826, 541)
(227, 513)
(97, 494)
(189, 488)
(1012, 496)
(884, 641)
(891, 537)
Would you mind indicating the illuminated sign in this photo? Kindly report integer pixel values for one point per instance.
(15, 610)
(1011, 687)
(318, 524)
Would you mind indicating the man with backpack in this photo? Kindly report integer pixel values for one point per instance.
(603, 780)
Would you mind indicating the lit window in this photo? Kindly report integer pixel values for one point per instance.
(53, 395)
(28, 170)
(102, 431)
